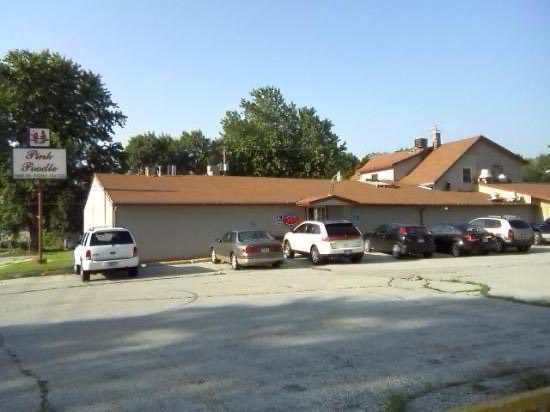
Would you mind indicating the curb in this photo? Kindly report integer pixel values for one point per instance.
(176, 262)
(532, 401)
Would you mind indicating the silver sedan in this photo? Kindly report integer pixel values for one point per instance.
(247, 248)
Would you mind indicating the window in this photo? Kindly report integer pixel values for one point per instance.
(118, 237)
(342, 229)
(374, 177)
(301, 228)
(382, 229)
(519, 224)
(226, 237)
(254, 235)
(233, 237)
(466, 175)
(448, 186)
(314, 229)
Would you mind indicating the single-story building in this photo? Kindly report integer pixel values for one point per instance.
(180, 216)
(537, 194)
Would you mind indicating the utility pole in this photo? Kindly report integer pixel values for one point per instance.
(40, 195)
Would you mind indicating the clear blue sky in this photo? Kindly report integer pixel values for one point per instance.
(384, 72)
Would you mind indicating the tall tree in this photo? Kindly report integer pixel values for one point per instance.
(271, 137)
(46, 89)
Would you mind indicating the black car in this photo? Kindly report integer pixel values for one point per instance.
(541, 232)
(400, 239)
(461, 239)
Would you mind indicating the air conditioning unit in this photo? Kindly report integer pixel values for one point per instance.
(502, 178)
(485, 174)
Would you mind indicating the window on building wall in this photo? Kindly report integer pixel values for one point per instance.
(447, 186)
(497, 170)
(374, 177)
(466, 175)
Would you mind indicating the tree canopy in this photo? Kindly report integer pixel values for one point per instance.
(47, 90)
(190, 153)
(271, 137)
(537, 168)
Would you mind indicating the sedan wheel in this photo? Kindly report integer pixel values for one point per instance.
(538, 238)
(213, 257)
(396, 251)
(234, 262)
(456, 250)
(501, 247)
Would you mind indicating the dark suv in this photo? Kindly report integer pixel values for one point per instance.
(400, 239)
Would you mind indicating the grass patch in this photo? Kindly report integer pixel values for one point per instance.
(55, 260)
(395, 403)
(13, 252)
(533, 380)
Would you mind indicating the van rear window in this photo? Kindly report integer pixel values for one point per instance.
(342, 229)
(114, 237)
(519, 224)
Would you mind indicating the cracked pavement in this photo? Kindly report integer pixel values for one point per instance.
(342, 336)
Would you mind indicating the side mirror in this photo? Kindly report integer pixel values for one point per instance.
(218, 240)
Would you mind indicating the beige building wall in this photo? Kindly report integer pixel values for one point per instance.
(165, 232)
(387, 174)
(544, 211)
(98, 210)
(481, 156)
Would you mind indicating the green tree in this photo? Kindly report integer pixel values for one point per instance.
(189, 153)
(537, 168)
(270, 137)
(46, 89)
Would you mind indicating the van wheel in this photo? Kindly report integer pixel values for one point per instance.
(396, 251)
(234, 262)
(456, 250)
(501, 247)
(84, 275)
(315, 256)
(288, 253)
(133, 272)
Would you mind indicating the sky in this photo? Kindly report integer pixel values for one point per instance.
(383, 72)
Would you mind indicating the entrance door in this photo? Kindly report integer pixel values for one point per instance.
(317, 213)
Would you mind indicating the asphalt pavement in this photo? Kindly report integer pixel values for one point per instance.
(433, 333)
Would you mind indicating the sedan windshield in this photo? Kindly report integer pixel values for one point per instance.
(251, 235)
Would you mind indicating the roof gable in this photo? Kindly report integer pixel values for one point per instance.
(440, 160)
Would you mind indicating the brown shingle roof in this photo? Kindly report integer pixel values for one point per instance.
(538, 190)
(387, 161)
(439, 161)
(233, 190)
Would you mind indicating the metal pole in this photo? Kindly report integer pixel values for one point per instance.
(40, 195)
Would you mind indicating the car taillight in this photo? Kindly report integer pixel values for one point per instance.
(135, 251)
(403, 230)
(510, 234)
(88, 255)
(471, 237)
(248, 249)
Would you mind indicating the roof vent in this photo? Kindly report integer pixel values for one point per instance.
(436, 137)
(421, 143)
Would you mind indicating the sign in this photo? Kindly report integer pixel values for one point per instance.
(291, 220)
(39, 137)
(39, 163)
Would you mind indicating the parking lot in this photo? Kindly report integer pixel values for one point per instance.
(431, 333)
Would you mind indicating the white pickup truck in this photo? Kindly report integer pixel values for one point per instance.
(105, 249)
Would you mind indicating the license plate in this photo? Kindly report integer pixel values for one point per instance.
(485, 240)
(265, 250)
(347, 252)
(420, 240)
(111, 263)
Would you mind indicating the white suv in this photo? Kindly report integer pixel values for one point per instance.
(321, 240)
(509, 231)
(104, 249)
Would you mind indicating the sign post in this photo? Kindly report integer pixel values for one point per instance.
(39, 162)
